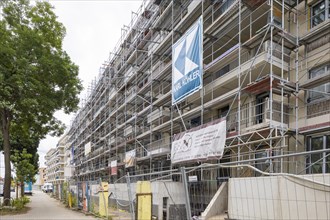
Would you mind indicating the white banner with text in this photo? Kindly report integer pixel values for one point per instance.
(199, 143)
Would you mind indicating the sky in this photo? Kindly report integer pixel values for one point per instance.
(93, 28)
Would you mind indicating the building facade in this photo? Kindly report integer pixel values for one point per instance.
(266, 69)
(55, 163)
(68, 160)
(42, 179)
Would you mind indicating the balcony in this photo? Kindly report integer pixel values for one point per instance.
(158, 38)
(256, 115)
(128, 130)
(314, 26)
(218, 13)
(316, 81)
(59, 170)
(318, 108)
(159, 113)
(97, 152)
(112, 93)
(98, 111)
(159, 147)
(120, 157)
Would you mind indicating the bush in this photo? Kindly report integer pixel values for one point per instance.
(20, 203)
(25, 200)
(65, 193)
(92, 207)
(74, 201)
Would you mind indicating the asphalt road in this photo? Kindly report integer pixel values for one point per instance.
(43, 207)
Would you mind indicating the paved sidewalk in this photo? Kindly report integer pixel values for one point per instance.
(43, 207)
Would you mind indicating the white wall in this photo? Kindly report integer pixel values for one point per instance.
(176, 192)
(218, 204)
(279, 197)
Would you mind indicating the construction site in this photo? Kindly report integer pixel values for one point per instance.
(265, 75)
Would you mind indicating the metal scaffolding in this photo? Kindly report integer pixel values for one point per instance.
(253, 69)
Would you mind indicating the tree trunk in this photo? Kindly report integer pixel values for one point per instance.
(22, 189)
(5, 124)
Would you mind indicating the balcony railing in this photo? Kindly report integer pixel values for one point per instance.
(218, 8)
(158, 113)
(254, 113)
(318, 108)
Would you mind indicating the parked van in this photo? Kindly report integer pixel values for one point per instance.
(47, 187)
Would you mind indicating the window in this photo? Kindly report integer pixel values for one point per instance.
(261, 101)
(222, 112)
(320, 91)
(318, 163)
(319, 12)
(194, 122)
(222, 71)
(158, 136)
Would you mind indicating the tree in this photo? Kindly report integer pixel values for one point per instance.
(37, 77)
(25, 170)
(20, 143)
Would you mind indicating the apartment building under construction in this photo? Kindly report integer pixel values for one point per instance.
(55, 165)
(266, 72)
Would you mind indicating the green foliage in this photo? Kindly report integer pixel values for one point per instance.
(25, 200)
(37, 77)
(20, 203)
(74, 202)
(93, 207)
(19, 142)
(25, 171)
(65, 193)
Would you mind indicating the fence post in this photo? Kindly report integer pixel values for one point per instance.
(131, 204)
(185, 185)
(77, 195)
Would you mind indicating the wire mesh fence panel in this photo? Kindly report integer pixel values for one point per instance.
(94, 197)
(167, 196)
(73, 190)
(203, 185)
(83, 195)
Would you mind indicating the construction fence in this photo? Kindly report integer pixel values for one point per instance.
(87, 196)
(204, 191)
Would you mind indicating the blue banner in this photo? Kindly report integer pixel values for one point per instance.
(187, 63)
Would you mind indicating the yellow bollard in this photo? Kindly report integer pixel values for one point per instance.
(70, 200)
